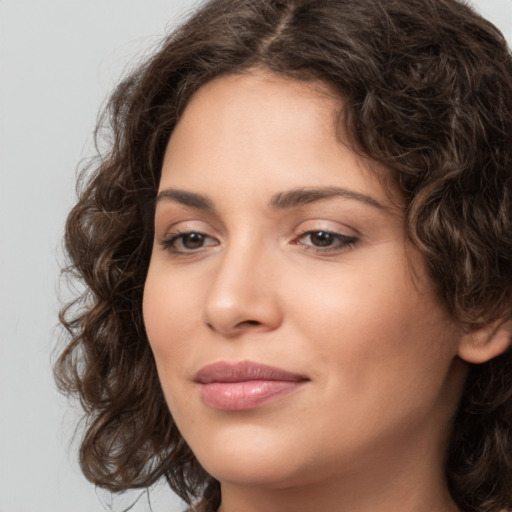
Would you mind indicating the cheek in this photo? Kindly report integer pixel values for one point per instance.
(372, 326)
(171, 310)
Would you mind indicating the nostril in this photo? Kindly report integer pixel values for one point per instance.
(249, 322)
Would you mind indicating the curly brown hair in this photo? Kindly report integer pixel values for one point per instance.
(426, 87)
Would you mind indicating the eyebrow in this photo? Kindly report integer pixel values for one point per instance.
(280, 201)
(301, 196)
(190, 199)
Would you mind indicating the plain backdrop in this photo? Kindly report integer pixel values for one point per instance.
(58, 61)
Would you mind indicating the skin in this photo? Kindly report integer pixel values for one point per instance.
(359, 318)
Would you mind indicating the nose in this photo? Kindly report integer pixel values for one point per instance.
(243, 296)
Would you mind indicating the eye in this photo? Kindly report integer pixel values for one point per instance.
(325, 241)
(187, 242)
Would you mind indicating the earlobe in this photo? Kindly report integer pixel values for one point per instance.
(485, 343)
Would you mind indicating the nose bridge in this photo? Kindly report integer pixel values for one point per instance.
(242, 294)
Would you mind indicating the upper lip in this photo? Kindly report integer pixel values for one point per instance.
(224, 371)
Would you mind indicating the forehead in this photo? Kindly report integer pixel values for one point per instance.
(261, 105)
(258, 128)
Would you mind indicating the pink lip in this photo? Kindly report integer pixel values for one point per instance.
(244, 385)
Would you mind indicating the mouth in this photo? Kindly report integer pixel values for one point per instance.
(245, 385)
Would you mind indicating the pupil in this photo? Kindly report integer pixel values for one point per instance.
(193, 241)
(321, 238)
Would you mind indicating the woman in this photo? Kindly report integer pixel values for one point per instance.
(297, 263)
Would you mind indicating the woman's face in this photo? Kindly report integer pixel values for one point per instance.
(296, 336)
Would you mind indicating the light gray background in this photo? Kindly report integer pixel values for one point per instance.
(58, 61)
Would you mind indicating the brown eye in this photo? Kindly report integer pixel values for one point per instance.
(188, 242)
(193, 241)
(325, 241)
(322, 238)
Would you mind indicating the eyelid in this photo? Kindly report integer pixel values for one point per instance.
(175, 241)
(342, 242)
(168, 243)
(331, 226)
(183, 225)
(344, 237)
(178, 230)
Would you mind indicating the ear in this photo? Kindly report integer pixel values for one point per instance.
(482, 344)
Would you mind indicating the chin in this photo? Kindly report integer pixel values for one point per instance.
(254, 471)
(250, 457)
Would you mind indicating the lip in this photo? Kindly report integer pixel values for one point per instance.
(245, 385)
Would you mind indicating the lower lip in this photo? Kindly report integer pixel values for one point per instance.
(240, 396)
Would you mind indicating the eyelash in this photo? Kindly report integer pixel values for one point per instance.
(169, 243)
(343, 242)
